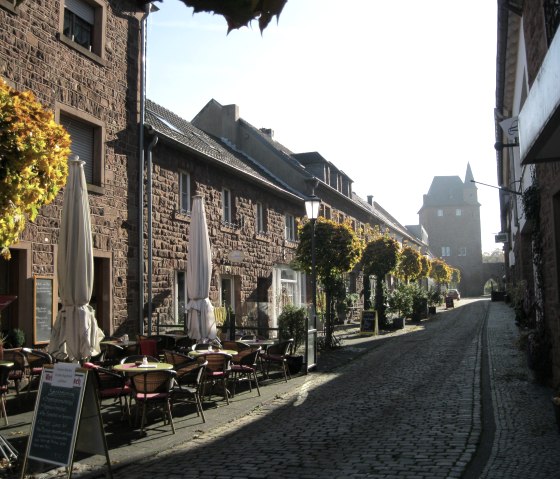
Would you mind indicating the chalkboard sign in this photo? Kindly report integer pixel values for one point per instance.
(369, 323)
(43, 311)
(66, 417)
(449, 302)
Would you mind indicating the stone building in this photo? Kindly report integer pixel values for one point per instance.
(450, 214)
(527, 117)
(81, 59)
(251, 219)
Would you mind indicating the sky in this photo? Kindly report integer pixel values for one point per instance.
(392, 93)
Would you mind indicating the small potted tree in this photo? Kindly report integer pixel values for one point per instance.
(291, 325)
(435, 298)
(399, 305)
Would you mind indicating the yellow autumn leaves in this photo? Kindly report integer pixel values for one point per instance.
(33, 161)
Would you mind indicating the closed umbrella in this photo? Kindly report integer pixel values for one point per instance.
(75, 335)
(201, 323)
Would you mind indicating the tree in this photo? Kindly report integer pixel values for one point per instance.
(380, 257)
(337, 250)
(496, 256)
(239, 13)
(33, 161)
(426, 267)
(441, 272)
(410, 264)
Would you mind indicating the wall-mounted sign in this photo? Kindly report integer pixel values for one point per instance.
(236, 256)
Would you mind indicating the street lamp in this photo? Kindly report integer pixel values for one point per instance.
(312, 209)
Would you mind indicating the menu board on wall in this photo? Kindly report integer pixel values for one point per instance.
(43, 308)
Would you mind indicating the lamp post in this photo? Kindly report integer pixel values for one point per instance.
(312, 209)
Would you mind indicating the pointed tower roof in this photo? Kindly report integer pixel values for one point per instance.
(469, 178)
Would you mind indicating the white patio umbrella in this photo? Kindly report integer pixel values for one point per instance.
(201, 323)
(75, 334)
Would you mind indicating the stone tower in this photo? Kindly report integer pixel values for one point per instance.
(451, 215)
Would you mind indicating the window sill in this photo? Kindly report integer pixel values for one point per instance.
(179, 216)
(230, 229)
(262, 237)
(9, 5)
(99, 190)
(84, 51)
(290, 243)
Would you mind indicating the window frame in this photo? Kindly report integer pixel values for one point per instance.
(290, 227)
(97, 51)
(440, 213)
(185, 197)
(445, 251)
(462, 251)
(227, 212)
(458, 212)
(260, 218)
(98, 149)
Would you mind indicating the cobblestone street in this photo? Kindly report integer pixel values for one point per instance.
(406, 404)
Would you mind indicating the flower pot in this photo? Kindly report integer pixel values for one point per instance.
(431, 310)
(295, 363)
(398, 323)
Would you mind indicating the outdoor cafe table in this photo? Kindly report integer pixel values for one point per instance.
(263, 343)
(202, 352)
(132, 368)
(7, 364)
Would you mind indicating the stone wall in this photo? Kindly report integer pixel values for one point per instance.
(170, 229)
(104, 87)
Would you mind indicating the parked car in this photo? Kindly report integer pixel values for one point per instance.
(453, 293)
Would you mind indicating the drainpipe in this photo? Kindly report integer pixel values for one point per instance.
(143, 42)
(150, 249)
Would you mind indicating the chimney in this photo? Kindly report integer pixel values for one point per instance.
(370, 200)
(268, 131)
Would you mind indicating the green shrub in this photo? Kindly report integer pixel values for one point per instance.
(291, 325)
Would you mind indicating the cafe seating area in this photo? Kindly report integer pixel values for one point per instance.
(145, 380)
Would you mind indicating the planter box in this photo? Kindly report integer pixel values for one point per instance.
(295, 363)
(431, 309)
(399, 323)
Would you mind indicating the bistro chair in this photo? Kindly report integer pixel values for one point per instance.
(275, 355)
(111, 385)
(36, 359)
(148, 347)
(163, 342)
(245, 367)
(153, 388)
(17, 372)
(217, 371)
(235, 345)
(112, 354)
(177, 359)
(4, 382)
(188, 383)
(184, 344)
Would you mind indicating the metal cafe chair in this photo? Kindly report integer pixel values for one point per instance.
(188, 383)
(245, 367)
(153, 388)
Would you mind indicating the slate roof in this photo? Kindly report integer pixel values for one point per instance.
(445, 191)
(167, 123)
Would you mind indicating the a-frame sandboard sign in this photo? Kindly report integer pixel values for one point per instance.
(66, 419)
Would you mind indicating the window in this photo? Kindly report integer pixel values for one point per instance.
(226, 206)
(260, 219)
(82, 26)
(290, 231)
(184, 192)
(180, 296)
(86, 143)
(462, 251)
(79, 19)
(458, 212)
(440, 212)
(445, 251)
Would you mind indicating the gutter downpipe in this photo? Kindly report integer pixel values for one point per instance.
(143, 43)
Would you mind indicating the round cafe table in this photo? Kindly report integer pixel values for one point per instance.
(202, 352)
(133, 368)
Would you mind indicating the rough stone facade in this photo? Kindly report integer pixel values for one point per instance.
(262, 252)
(101, 85)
